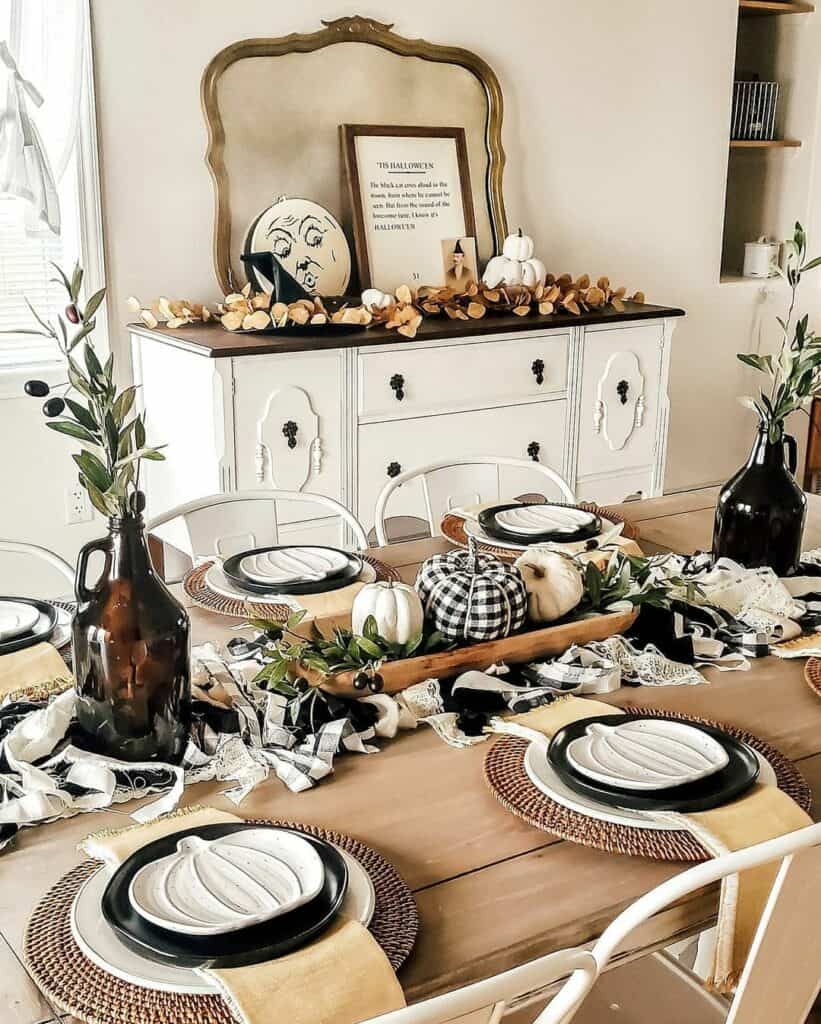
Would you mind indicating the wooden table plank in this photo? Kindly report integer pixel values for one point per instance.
(668, 504)
(689, 528)
(491, 890)
(20, 1000)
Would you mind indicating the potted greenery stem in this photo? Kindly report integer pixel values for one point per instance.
(760, 514)
(131, 636)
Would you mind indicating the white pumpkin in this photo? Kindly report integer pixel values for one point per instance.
(374, 298)
(553, 581)
(518, 247)
(395, 607)
(516, 266)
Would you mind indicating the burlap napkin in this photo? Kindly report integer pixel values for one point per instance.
(34, 672)
(341, 978)
(763, 813)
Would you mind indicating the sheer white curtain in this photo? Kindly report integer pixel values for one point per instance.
(49, 42)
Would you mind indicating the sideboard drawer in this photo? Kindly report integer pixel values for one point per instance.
(397, 383)
(621, 391)
(386, 449)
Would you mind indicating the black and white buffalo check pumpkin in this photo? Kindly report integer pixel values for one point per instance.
(470, 596)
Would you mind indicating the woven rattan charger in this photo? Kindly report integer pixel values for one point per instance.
(509, 782)
(200, 593)
(75, 985)
(812, 675)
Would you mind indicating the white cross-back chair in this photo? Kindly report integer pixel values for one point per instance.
(449, 483)
(778, 985)
(57, 566)
(225, 524)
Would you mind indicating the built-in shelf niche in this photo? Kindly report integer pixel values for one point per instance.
(768, 180)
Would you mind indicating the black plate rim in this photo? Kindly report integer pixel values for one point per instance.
(487, 520)
(29, 639)
(137, 933)
(686, 798)
(335, 582)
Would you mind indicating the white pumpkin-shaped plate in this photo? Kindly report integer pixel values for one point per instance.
(307, 240)
(545, 778)
(218, 582)
(533, 520)
(648, 754)
(99, 942)
(291, 565)
(210, 887)
(16, 618)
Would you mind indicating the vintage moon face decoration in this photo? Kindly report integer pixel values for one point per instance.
(308, 242)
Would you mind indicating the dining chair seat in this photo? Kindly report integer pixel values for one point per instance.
(470, 480)
(778, 984)
(227, 523)
(42, 567)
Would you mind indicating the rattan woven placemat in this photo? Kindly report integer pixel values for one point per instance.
(198, 590)
(453, 527)
(77, 986)
(812, 673)
(508, 780)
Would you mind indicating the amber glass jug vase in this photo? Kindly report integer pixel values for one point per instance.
(131, 652)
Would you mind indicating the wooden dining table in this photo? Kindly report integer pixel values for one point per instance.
(492, 892)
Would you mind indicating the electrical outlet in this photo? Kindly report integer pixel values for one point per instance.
(78, 507)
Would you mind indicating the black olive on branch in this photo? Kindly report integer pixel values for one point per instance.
(36, 388)
(53, 407)
(360, 681)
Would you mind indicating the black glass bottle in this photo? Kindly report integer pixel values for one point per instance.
(761, 509)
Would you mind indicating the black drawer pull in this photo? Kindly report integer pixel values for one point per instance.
(537, 369)
(394, 469)
(622, 388)
(397, 383)
(533, 450)
(289, 429)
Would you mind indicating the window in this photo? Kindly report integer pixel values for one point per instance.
(50, 42)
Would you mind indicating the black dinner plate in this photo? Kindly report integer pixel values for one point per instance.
(42, 630)
(335, 581)
(487, 520)
(729, 783)
(255, 944)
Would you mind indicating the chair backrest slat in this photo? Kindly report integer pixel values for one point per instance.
(225, 524)
(782, 976)
(471, 480)
(44, 556)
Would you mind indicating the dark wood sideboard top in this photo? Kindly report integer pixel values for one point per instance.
(213, 341)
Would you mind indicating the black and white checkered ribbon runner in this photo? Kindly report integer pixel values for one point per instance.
(240, 733)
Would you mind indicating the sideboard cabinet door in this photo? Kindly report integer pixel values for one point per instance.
(288, 426)
(620, 398)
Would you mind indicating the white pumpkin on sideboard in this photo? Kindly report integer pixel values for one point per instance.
(516, 265)
(396, 608)
(373, 298)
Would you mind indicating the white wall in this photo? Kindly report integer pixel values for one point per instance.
(616, 129)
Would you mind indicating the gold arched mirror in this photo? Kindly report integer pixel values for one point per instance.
(274, 107)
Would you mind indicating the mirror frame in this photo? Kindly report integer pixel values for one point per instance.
(344, 30)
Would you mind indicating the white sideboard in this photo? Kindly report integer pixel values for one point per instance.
(588, 399)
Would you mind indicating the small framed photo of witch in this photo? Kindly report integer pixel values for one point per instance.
(409, 189)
